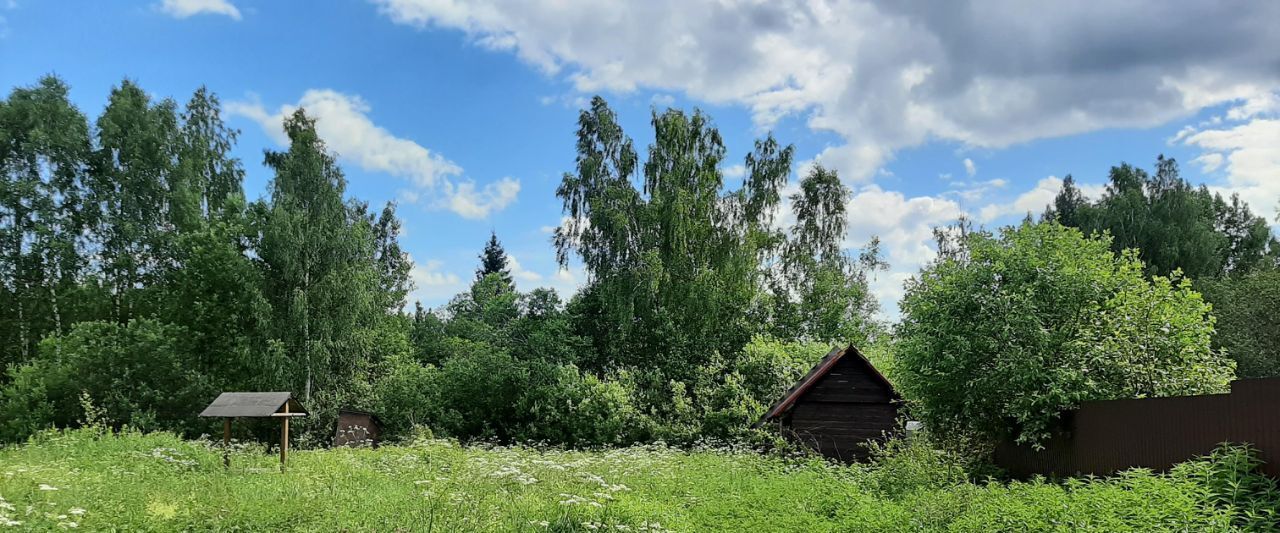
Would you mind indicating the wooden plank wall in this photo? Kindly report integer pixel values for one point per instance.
(842, 411)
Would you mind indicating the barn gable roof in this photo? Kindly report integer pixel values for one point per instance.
(819, 371)
(254, 404)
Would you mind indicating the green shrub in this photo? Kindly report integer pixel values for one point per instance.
(1231, 481)
(135, 373)
(908, 464)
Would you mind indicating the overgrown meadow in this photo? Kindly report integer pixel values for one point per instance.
(93, 480)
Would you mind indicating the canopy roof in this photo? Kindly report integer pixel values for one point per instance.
(254, 404)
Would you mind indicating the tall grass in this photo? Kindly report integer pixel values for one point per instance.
(91, 480)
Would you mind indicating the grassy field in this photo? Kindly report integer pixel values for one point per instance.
(158, 482)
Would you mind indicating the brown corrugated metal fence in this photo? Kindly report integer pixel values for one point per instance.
(1108, 436)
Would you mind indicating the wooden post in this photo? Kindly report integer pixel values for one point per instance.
(284, 439)
(226, 443)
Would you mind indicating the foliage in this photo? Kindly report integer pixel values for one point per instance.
(135, 374)
(67, 477)
(493, 260)
(138, 229)
(675, 262)
(997, 340)
(912, 463)
(1248, 327)
(1231, 482)
(1174, 225)
(820, 292)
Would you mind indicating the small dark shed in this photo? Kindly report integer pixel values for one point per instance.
(840, 405)
(357, 428)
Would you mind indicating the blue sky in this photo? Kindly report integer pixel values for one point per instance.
(464, 112)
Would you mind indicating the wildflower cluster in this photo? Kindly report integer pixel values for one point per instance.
(174, 457)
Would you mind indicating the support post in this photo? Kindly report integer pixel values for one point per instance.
(226, 443)
(284, 440)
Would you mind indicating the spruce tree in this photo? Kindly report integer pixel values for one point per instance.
(494, 261)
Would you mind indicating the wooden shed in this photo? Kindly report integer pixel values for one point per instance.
(357, 428)
(840, 405)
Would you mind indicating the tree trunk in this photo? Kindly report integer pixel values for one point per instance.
(23, 328)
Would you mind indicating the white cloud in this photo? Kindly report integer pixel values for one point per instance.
(188, 8)
(889, 75)
(464, 199)
(1209, 162)
(343, 122)
(519, 273)
(969, 167)
(737, 171)
(432, 283)
(1249, 154)
(662, 100)
(1035, 200)
(905, 227)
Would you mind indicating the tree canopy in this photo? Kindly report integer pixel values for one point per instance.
(999, 340)
(1172, 224)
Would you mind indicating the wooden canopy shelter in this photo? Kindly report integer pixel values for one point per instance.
(842, 403)
(231, 405)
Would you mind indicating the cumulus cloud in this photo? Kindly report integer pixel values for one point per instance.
(905, 228)
(519, 272)
(189, 8)
(737, 171)
(343, 122)
(1248, 153)
(432, 284)
(969, 167)
(885, 75)
(1035, 200)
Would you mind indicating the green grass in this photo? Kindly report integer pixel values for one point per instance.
(158, 482)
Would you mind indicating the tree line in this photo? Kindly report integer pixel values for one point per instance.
(137, 278)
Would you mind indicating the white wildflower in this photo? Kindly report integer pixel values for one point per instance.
(76, 511)
(45, 486)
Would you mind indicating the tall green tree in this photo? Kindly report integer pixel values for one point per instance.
(207, 177)
(317, 254)
(822, 294)
(493, 260)
(1248, 326)
(393, 263)
(44, 148)
(132, 169)
(674, 259)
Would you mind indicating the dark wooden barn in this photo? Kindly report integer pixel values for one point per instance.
(840, 405)
(357, 428)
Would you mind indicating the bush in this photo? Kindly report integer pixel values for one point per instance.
(1232, 482)
(1003, 333)
(1248, 326)
(135, 373)
(909, 464)
(480, 392)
